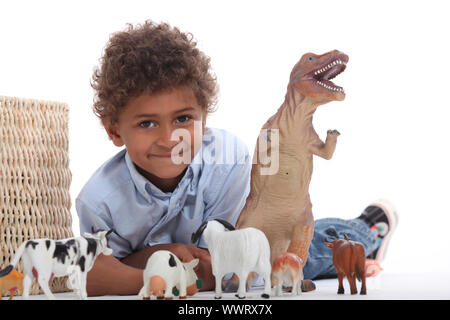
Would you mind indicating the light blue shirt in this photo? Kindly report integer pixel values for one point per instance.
(215, 185)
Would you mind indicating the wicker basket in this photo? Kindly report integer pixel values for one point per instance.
(34, 177)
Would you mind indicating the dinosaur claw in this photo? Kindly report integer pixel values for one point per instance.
(333, 132)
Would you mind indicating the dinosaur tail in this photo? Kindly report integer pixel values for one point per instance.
(14, 261)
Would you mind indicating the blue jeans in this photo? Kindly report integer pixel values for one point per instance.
(320, 258)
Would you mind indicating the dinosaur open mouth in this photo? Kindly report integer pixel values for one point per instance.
(324, 74)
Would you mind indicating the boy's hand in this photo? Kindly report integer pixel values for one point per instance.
(185, 252)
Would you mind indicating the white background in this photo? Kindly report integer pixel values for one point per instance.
(394, 133)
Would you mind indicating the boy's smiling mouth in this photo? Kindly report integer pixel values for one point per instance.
(165, 155)
(161, 155)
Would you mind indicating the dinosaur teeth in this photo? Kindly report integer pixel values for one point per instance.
(328, 72)
(330, 87)
(332, 64)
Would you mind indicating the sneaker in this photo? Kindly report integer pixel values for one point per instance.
(382, 218)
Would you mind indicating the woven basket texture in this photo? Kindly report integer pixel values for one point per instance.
(34, 177)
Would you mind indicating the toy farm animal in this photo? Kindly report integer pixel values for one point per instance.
(287, 269)
(349, 259)
(239, 251)
(164, 271)
(44, 259)
(12, 283)
(279, 204)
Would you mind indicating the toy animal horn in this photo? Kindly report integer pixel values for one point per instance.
(226, 224)
(197, 234)
(96, 230)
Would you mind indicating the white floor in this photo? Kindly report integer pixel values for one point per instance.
(386, 286)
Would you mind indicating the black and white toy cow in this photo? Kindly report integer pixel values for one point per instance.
(164, 271)
(44, 259)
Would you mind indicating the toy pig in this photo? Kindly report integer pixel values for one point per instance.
(287, 270)
(349, 259)
(12, 283)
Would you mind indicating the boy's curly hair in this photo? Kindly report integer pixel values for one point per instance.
(146, 59)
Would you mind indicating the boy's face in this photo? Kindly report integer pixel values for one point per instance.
(145, 127)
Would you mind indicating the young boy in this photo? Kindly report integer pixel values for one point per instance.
(153, 81)
(154, 91)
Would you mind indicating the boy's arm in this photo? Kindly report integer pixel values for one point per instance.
(109, 276)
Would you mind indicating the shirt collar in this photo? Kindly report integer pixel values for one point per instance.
(148, 189)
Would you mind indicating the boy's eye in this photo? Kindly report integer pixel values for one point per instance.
(147, 124)
(183, 119)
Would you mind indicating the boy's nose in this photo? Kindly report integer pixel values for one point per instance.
(165, 138)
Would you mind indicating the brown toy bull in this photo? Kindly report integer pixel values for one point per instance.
(349, 259)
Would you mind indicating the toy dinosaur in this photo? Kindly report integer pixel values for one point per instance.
(279, 204)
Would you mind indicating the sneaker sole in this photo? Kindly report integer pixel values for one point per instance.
(392, 216)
